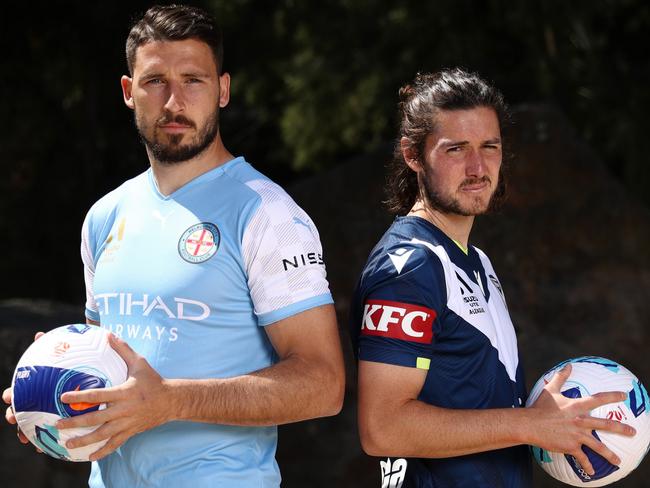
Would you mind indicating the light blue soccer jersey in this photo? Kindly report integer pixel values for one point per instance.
(189, 280)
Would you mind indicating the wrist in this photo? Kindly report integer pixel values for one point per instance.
(171, 403)
(523, 425)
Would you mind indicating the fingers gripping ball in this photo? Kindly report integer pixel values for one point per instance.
(69, 358)
(591, 375)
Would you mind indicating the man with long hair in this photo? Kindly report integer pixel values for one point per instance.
(441, 387)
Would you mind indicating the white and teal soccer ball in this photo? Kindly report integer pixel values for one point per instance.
(72, 357)
(590, 375)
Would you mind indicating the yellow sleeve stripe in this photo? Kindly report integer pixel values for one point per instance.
(423, 363)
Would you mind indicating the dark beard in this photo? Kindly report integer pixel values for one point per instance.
(172, 152)
(450, 205)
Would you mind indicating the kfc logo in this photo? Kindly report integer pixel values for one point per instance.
(398, 321)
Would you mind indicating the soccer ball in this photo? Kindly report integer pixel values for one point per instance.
(590, 375)
(72, 357)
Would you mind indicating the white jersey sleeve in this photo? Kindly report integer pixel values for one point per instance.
(89, 272)
(94, 233)
(282, 256)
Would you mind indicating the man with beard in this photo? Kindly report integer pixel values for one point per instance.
(212, 281)
(441, 387)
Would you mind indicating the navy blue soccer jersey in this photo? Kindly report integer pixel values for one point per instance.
(422, 302)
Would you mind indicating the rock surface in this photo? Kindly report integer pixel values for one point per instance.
(21, 466)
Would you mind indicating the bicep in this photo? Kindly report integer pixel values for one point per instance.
(312, 334)
(384, 388)
(384, 392)
(311, 359)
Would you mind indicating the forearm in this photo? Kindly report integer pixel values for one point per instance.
(289, 391)
(393, 423)
(421, 430)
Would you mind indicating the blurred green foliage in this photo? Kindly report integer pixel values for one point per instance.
(322, 77)
(314, 83)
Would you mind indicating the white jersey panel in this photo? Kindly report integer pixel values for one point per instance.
(505, 334)
(89, 271)
(282, 254)
(468, 300)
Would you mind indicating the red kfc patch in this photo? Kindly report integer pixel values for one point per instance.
(398, 320)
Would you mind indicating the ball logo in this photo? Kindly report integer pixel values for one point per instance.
(73, 380)
(78, 328)
(398, 320)
(199, 243)
(81, 406)
(578, 469)
(616, 414)
(60, 348)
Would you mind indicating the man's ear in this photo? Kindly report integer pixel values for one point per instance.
(127, 85)
(224, 90)
(410, 154)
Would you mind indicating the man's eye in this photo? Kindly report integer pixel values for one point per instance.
(454, 149)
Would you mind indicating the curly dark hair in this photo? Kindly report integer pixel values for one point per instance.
(419, 102)
(175, 23)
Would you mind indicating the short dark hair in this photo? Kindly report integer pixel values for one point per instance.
(175, 23)
(419, 103)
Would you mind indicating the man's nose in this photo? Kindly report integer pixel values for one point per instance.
(175, 102)
(475, 165)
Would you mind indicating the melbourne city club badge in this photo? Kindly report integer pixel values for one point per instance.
(199, 243)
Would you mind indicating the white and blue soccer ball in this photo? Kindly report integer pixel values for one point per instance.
(72, 357)
(590, 375)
